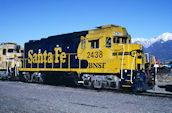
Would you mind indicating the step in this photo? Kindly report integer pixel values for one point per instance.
(128, 80)
(126, 85)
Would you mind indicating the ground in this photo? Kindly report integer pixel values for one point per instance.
(19, 97)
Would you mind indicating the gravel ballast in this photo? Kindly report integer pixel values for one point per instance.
(19, 97)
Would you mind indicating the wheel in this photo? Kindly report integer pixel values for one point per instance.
(75, 81)
(97, 84)
(26, 77)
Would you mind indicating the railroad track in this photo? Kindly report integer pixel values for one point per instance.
(156, 94)
(153, 94)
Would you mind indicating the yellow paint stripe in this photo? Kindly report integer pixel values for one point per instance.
(126, 86)
(128, 80)
(47, 69)
(81, 70)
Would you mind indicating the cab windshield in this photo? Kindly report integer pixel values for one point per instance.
(122, 40)
(10, 50)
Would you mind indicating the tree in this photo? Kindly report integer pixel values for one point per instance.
(170, 62)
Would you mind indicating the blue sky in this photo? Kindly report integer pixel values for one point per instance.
(24, 20)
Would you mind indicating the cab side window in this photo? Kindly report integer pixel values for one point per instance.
(118, 40)
(4, 51)
(83, 43)
(108, 42)
(129, 41)
(97, 43)
(94, 44)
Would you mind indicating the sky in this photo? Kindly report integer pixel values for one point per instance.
(24, 20)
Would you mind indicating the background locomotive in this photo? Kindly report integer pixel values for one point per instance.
(100, 58)
(10, 60)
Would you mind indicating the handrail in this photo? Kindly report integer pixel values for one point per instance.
(122, 61)
(131, 77)
(7, 67)
(15, 70)
(147, 57)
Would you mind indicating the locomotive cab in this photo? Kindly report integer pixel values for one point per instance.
(112, 59)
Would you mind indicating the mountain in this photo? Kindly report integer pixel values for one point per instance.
(160, 47)
(148, 42)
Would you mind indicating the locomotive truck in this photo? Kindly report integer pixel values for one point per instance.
(100, 58)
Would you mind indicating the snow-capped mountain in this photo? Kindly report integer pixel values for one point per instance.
(148, 42)
(160, 47)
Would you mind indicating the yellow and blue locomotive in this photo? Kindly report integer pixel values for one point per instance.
(10, 60)
(100, 58)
